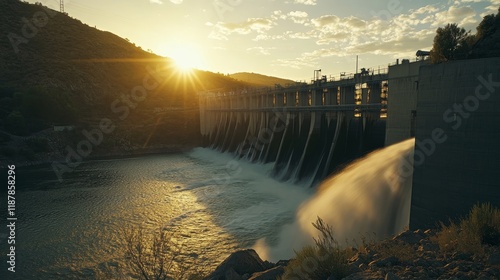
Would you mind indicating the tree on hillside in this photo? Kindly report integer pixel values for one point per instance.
(486, 26)
(451, 42)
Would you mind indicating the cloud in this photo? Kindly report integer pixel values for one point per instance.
(224, 29)
(325, 20)
(298, 17)
(464, 15)
(306, 2)
(177, 2)
(156, 1)
(261, 50)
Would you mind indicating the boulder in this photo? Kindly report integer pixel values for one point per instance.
(410, 237)
(270, 274)
(385, 262)
(391, 276)
(238, 264)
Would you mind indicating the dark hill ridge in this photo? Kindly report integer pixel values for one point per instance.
(260, 80)
(56, 70)
(63, 52)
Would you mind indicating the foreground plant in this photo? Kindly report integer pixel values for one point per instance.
(156, 256)
(320, 261)
(480, 227)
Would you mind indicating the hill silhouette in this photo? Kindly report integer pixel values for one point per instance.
(260, 80)
(56, 70)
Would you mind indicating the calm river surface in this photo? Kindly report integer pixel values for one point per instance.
(214, 204)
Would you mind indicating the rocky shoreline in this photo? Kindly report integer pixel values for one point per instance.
(409, 255)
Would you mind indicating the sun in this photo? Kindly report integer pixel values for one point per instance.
(186, 57)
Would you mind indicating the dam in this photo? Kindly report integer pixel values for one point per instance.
(308, 131)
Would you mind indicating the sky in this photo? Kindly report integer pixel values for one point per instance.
(288, 39)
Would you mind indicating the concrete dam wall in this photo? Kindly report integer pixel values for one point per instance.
(307, 131)
(457, 151)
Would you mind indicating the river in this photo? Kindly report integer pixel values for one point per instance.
(212, 204)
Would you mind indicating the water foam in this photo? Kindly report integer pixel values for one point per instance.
(370, 197)
(263, 204)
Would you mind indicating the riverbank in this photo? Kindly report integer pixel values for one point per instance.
(467, 249)
(47, 146)
(409, 255)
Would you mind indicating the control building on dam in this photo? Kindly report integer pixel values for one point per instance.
(310, 130)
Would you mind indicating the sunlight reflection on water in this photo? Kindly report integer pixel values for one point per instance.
(74, 228)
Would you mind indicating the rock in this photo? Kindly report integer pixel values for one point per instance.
(359, 276)
(409, 237)
(270, 274)
(354, 268)
(238, 263)
(462, 256)
(420, 262)
(428, 247)
(282, 262)
(389, 261)
(231, 275)
(363, 266)
(391, 276)
(494, 259)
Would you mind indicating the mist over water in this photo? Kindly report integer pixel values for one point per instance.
(370, 198)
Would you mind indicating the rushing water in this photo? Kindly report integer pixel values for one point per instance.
(369, 199)
(214, 204)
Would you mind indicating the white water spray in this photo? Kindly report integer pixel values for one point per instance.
(369, 198)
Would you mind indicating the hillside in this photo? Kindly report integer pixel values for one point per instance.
(56, 70)
(260, 80)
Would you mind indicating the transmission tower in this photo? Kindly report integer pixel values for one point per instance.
(61, 6)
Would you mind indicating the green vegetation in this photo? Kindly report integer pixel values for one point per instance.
(452, 42)
(480, 227)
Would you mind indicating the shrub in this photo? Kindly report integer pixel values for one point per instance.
(156, 256)
(320, 261)
(480, 227)
(483, 224)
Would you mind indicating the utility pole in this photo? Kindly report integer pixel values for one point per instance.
(61, 6)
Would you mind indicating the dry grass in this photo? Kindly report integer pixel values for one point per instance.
(401, 250)
(480, 227)
(320, 261)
